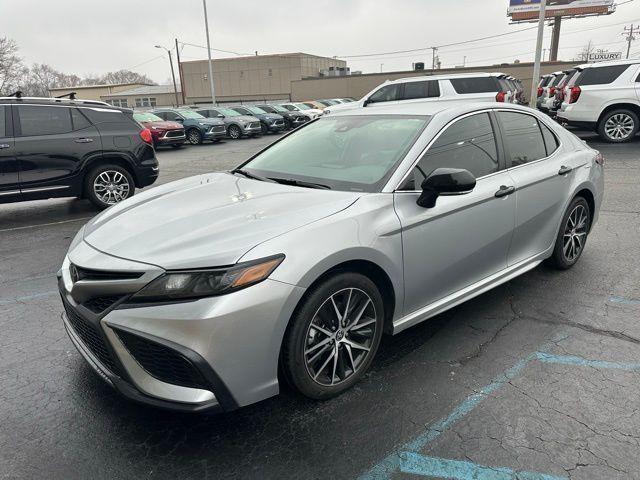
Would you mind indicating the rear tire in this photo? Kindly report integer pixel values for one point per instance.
(618, 126)
(324, 354)
(572, 236)
(106, 185)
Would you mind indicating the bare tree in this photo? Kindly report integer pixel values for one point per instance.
(11, 67)
(583, 55)
(125, 76)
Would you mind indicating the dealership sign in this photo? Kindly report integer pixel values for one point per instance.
(601, 56)
(530, 9)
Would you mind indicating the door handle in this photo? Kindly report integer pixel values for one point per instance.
(83, 140)
(564, 170)
(4, 145)
(504, 191)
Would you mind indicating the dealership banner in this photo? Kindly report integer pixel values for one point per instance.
(530, 9)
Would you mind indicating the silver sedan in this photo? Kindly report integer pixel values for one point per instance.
(193, 295)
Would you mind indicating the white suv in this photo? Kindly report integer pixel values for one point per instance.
(604, 97)
(475, 87)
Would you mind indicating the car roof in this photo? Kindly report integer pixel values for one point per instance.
(609, 63)
(58, 101)
(428, 108)
(443, 77)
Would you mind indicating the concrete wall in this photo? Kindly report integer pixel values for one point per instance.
(255, 78)
(357, 86)
(95, 92)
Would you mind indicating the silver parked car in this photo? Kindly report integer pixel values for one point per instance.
(193, 295)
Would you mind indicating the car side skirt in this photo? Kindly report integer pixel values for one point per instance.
(469, 292)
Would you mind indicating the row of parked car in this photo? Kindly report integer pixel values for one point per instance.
(603, 97)
(196, 124)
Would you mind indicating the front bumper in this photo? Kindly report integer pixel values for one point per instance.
(277, 127)
(215, 133)
(231, 342)
(253, 128)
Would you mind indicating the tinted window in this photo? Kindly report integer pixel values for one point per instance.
(3, 128)
(79, 120)
(475, 85)
(600, 75)
(550, 140)
(42, 120)
(421, 90)
(522, 137)
(268, 109)
(243, 111)
(103, 116)
(170, 116)
(387, 93)
(468, 143)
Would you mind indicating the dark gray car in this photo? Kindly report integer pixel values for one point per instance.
(269, 122)
(237, 125)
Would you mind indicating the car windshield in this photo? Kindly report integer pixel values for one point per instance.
(257, 110)
(190, 114)
(310, 105)
(227, 112)
(268, 108)
(356, 153)
(302, 106)
(147, 117)
(280, 109)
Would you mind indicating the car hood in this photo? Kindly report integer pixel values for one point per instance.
(164, 125)
(208, 220)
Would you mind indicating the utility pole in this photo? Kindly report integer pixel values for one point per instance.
(433, 61)
(173, 75)
(206, 28)
(536, 63)
(555, 39)
(180, 73)
(629, 31)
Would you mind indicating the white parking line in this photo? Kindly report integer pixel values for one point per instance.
(44, 224)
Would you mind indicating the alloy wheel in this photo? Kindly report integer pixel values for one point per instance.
(234, 132)
(619, 126)
(575, 233)
(340, 336)
(194, 137)
(111, 187)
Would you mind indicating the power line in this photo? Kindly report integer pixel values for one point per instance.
(214, 49)
(145, 62)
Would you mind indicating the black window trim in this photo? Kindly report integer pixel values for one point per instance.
(8, 121)
(499, 148)
(507, 157)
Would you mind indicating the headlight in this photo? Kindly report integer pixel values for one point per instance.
(204, 124)
(193, 284)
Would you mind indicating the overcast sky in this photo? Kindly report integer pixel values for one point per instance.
(91, 37)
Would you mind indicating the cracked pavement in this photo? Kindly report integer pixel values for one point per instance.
(60, 421)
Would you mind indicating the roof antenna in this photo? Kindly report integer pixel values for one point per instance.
(17, 94)
(71, 95)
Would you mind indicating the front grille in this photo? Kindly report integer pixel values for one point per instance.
(300, 119)
(174, 133)
(254, 125)
(81, 273)
(162, 362)
(278, 122)
(91, 338)
(100, 304)
(218, 129)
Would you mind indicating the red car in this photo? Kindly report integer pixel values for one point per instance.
(162, 132)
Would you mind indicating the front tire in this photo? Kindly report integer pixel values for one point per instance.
(333, 336)
(572, 236)
(235, 132)
(264, 129)
(194, 136)
(618, 126)
(106, 185)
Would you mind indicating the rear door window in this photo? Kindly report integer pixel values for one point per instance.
(600, 75)
(426, 89)
(388, 93)
(523, 139)
(475, 85)
(44, 120)
(550, 140)
(79, 120)
(3, 122)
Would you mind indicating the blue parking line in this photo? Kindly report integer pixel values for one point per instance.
(26, 298)
(624, 300)
(584, 362)
(417, 464)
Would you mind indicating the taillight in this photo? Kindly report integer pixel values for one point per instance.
(500, 97)
(600, 159)
(145, 135)
(552, 91)
(574, 95)
(540, 91)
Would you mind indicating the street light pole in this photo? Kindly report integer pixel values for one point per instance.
(206, 28)
(536, 62)
(173, 75)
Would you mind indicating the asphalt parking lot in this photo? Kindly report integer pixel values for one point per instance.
(537, 379)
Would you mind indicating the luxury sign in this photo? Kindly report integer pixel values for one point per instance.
(601, 56)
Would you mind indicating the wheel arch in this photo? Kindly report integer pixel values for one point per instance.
(634, 107)
(107, 159)
(588, 195)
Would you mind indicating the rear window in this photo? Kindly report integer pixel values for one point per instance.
(556, 80)
(103, 115)
(475, 85)
(600, 75)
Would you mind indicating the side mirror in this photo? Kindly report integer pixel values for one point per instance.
(445, 181)
(220, 115)
(180, 120)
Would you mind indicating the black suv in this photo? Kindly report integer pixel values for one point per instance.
(52, 147)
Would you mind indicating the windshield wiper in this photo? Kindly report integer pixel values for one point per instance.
(251, 175)
(300, 183)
